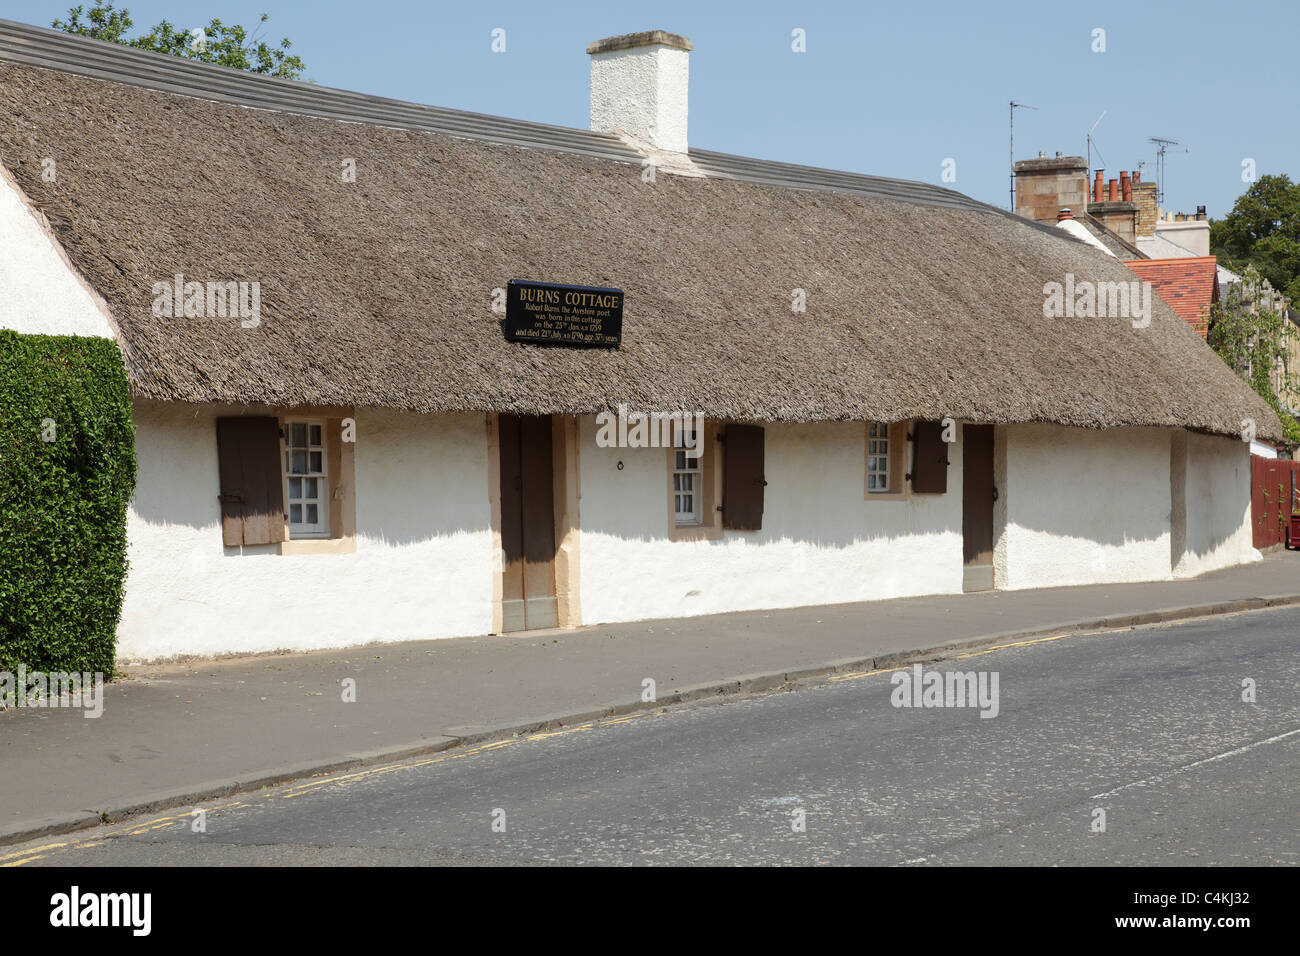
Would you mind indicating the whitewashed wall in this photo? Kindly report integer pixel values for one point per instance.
(422, 567)
(1217, 532)
(40, 294)
(821, 543)
(1077, 506)
(1082, 506)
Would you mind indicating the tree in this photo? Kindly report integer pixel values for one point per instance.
(217, 43)
(1263, 230)
(1250, 333)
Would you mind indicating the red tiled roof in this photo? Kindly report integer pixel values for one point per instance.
(1189, 285)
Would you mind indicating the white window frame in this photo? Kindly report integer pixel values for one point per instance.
(303, 529)
(688, 467)
(879, 458)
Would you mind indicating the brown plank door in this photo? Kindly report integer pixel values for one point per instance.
(977, 496)
(527, 523)
(252, 493)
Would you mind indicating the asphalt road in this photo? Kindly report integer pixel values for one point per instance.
(1147, 725)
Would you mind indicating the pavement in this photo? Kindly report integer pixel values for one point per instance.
(179, 734)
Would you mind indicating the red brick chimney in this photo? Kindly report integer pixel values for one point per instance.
(1112, 204)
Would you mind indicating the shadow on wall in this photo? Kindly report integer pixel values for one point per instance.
(814, 498)
(1120, 487)
(418, 477)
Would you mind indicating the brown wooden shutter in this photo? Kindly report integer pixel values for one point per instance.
(929, 459)
(252, 495)
(743, 482)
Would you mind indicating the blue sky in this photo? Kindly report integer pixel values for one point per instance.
(888, 88)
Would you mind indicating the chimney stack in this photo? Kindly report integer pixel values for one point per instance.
(639, 85)
(1113, 205)
(1046, 184)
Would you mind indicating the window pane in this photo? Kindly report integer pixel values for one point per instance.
(681, 460)
(298, 434)
(299, 463)
(316, 462)
(315, 434)
(311, 514)
(309, 484)
(295, 488)
(295, 514)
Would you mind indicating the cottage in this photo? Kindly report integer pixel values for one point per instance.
(375, 460)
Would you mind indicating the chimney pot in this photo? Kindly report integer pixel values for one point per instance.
(1114, 190)
(1200, 213)
(1063, 215)
(1058, 154)
(1043, 155)
(1126, 187)
(1097, 187)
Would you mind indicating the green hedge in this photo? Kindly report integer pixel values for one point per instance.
(62, 502)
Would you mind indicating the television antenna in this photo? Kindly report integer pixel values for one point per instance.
(1091, 147)
(1162, 145)
(1015, 106)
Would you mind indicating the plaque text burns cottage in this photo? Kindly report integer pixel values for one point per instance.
(550, 314)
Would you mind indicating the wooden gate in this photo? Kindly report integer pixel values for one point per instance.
(1273, 487)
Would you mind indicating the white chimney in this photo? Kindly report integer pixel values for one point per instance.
(639, 86)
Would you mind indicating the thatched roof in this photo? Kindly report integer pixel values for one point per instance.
(379, 292)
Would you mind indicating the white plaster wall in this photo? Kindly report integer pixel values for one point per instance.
(1084, 506)
(39, 291)
(423, 561)
(821, 543)
(1218, 505)
(643, 91)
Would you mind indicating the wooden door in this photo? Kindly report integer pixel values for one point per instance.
(527, 523)
(977, 496)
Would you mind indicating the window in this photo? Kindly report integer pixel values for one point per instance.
(879, 455)
(886, 452)
(308, 484)
(692, 482)
(688, 479)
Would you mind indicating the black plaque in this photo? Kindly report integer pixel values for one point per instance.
(548, 314)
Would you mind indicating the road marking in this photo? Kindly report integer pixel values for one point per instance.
(855, 675)
(1191, 766)
(48, 846)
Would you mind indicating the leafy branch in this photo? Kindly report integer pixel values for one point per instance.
(217, 43)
